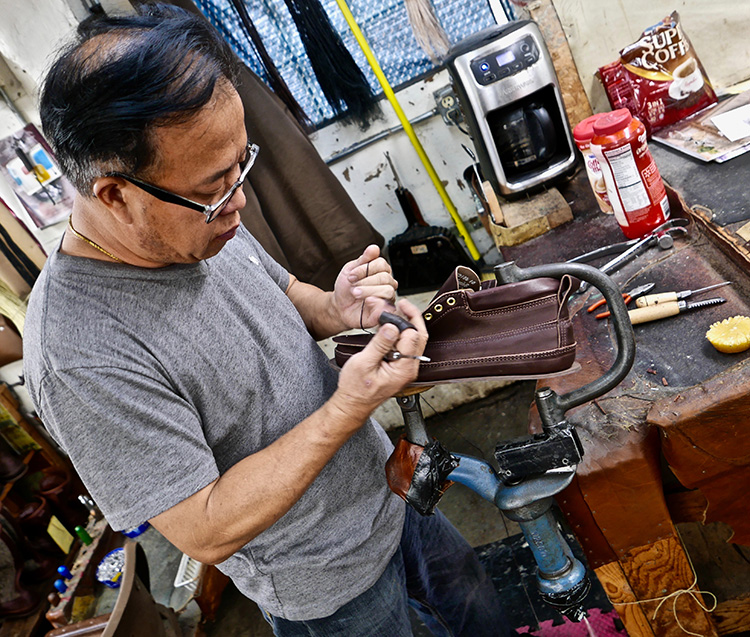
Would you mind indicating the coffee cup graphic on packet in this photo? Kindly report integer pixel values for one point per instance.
(687, 78)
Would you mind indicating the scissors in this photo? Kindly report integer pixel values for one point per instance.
(627, 297)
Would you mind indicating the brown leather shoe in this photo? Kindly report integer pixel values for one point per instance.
(480, 329)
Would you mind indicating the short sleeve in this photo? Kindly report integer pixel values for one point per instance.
(137, 445)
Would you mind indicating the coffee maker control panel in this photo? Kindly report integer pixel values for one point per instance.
(503, 63)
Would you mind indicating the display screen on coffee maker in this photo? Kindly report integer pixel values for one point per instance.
(506, 57)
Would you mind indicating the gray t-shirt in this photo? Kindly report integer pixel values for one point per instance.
(156, 381)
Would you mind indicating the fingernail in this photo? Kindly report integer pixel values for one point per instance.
(353, 278)
(357, 292)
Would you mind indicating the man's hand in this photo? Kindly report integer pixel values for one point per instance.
(363, 289)
(366, 381)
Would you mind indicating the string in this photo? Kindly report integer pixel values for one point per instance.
(690, 590)
(362, 310)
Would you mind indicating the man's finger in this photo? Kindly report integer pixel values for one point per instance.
(383, 341)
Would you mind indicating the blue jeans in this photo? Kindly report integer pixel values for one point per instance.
(436, 572)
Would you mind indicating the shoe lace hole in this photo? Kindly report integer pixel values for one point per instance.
(450, 301)
(438, 308)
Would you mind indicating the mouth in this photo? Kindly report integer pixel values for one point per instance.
(229, 234)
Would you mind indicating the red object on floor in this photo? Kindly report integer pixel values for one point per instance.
(602, 625)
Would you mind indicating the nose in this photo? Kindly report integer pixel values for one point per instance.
(237, 202)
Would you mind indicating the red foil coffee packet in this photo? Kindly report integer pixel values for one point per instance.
(659, 78)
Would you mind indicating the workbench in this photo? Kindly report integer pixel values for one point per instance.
(670, 444)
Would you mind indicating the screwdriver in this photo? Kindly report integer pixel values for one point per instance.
(670, 308)
(668, 297)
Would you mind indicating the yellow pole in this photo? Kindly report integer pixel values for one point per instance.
(408, 128)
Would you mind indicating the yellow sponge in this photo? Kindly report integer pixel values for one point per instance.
(731, 335)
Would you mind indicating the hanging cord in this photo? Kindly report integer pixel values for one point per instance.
(429, 33)
(343, 83)
(691, 590)
(277, 82)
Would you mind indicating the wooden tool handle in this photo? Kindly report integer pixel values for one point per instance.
(653, 312)
(656, 299)
(495, 210)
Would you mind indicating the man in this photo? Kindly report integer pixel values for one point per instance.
(176, 364)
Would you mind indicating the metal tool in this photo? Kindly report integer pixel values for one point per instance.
(662, 235)
(668, 297)
(533, 469)
(395, 355)
(627, 297)
(672, 308)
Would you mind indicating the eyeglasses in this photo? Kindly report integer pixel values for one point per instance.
(210, 210)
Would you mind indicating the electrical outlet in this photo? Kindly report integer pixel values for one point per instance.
(448, 106)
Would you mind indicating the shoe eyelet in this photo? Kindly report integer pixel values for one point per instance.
(438, 308)
(450, 301)
(427, 316)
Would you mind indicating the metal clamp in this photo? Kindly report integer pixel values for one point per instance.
(552, 407)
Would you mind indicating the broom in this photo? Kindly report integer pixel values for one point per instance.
(429, 33)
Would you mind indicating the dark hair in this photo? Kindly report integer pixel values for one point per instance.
(122, 77)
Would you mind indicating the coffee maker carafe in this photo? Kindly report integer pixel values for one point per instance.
(511, 99)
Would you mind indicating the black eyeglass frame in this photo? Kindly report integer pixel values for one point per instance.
(211, 211)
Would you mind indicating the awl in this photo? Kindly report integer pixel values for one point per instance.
(671, 308)
(666, 297)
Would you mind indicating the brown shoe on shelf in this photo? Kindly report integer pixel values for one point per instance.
(479, 329)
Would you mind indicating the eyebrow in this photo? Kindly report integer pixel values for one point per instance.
(220, 173)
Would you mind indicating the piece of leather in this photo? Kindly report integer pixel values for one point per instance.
(483, 329)
(399, 468)
(418, 474)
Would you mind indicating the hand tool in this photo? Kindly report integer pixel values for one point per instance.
(662, 235)
(627, 297)
(667, 297)
(402, 324)
(671, 308)
(395, 355)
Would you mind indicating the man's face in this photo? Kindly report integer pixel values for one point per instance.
(199, 160)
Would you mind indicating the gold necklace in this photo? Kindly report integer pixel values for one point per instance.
(90, 242)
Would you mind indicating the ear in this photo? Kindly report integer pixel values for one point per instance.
(116, 195)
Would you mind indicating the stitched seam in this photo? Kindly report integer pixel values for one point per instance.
(503, 310)
(501, 357)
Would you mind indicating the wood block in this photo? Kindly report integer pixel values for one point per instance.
(528, 218)
(732, 616)
(618, 591)
(661, 568)
(687, 506)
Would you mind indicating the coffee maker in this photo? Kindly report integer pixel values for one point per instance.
(511, 99)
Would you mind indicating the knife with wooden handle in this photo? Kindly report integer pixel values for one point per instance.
(670, 308)
(667, 297)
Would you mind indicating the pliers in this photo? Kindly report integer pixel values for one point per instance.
(627, 297)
